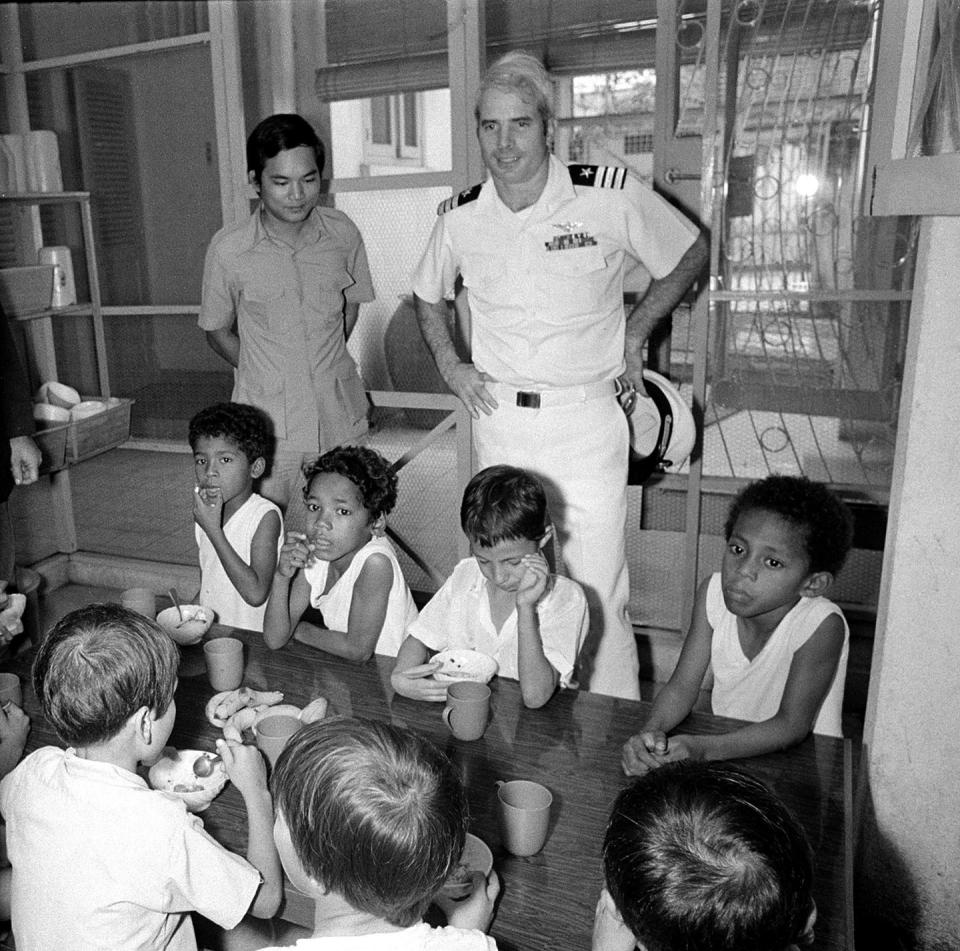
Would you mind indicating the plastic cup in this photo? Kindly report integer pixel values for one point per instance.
(224, 657)
(467, 709)
(141, 600)
(10, 690)
(524, 815)
(272, 734)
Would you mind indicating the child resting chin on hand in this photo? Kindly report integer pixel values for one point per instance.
(503, 601)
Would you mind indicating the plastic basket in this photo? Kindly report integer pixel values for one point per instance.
(105, 430)
(52, 443)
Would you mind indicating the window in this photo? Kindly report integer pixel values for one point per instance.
(636, 143)
(392, 127)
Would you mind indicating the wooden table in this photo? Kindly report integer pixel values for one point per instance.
(572, 746)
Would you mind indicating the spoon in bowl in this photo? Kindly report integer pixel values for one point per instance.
(173, 597)
(203, 766)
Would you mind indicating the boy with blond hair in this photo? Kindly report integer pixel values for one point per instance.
(371, 821)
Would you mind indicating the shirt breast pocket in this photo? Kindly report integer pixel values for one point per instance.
(325, 295)
(263, 305)
(572, 280)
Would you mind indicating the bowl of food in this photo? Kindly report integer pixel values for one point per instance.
(464, 664)
(476, 857)
(186, 624)
(173, 773)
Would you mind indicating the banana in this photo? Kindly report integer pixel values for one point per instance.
(222, 706)
(232, 734)
(243, 719)
(314, 710)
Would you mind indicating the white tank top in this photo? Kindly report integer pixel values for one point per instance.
(752, 689)
(216, 589)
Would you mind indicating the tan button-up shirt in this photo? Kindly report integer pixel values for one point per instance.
(288, 306)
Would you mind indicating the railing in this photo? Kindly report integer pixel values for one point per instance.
(457, 419)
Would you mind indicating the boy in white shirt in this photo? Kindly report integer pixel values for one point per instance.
(371, 821)
(99, 859)
(502, 601)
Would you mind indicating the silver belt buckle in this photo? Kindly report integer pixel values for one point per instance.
(528, 400)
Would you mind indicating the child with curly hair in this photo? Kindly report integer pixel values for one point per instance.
(342, 565)
(777, 646)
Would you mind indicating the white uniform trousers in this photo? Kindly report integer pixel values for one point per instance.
(580, 452)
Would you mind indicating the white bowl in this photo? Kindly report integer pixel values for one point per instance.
(87, 408)
(196, 622)
(476, 857)
(58, 394)
(49, 415)
(465, 664)
(173, 773)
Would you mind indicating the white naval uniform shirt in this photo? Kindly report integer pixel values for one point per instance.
(546, 288)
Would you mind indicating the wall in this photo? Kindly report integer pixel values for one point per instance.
(909, 796)
(177, 154)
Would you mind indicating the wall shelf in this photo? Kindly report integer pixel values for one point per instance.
(66, 445)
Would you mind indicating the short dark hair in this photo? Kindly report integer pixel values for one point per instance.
(246, 426)
(278, 133)
(376, 813)
(824, 522)
(503, 503)
(98, 666)
(702, 855)
(374, 476)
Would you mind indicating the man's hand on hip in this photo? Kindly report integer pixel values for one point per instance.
(469, 384)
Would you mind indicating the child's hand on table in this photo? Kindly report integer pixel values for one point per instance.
(295, 553)
(477, 910)
(245, 766)
(208, 507)
(644, 752)
(418, 684)
(534, 581)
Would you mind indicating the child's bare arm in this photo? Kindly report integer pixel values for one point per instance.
(289, 592)
(538, 678)
(368, 610)
(246, 769)
(646, 750)
(251, 580)
(811, 672)
(411, 676)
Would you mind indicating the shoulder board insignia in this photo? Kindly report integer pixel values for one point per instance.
(455, 201)
(600, 176)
